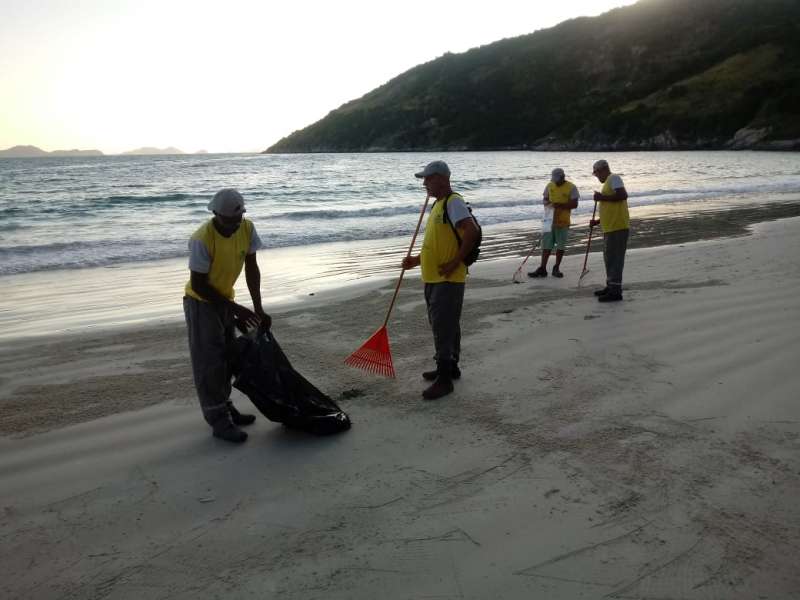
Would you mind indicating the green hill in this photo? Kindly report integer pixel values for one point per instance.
(661, 74)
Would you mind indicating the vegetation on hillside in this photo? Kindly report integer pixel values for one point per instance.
(658, 74)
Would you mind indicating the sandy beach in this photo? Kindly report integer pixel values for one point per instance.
(646, 449)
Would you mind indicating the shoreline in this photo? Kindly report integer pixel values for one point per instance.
(786, 145)
(74, 302)
(78, 352)
(773, 146)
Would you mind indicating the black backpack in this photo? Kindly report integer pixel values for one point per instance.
(476, 249)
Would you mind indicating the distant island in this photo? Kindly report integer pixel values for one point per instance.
(33, 151)
(657, 75)
(148, 150)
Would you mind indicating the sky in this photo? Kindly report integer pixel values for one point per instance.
(233, 76)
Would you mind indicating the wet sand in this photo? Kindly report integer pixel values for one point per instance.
(645, 449)
(59, 380)
(54, 303)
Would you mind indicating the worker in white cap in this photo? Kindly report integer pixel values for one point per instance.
(562, 196)
(218, 251)
(615, 222)
(451, 233)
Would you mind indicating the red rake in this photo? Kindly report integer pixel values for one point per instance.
(588, 243)
(374, 355)
(517, 276)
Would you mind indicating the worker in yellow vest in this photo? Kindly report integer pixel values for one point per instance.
(444, 273)
(562, 196)
(218, 251)
(615, 222)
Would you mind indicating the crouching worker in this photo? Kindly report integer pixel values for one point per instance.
(444, 273)
(562, 196)
(217, 252)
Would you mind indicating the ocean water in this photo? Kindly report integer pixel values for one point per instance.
(81, 212)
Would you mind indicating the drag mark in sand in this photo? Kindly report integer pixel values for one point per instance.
(375, 570)
(454, 535)
(49, 507)
(561, 557)
(381, 505)
(680, 556)
(469, 483)
(653, 560)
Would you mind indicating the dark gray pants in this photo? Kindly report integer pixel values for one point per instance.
(614, 246)
(211, 339)
(444, 301)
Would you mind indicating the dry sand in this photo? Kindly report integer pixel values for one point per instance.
(646, 449)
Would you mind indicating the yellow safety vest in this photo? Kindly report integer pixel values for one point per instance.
(560, 194)
(613, 215)
(440, 246)
(227, 257)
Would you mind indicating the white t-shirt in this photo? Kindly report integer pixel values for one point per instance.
(457, 210)
(615, 181)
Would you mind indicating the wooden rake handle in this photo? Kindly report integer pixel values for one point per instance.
(403, 271)
(589, 242)
(522, 264)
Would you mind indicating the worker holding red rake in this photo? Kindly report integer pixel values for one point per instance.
(444, 273)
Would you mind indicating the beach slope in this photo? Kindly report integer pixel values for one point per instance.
(645, 449)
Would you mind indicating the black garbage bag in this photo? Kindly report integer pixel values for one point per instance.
(264, 374)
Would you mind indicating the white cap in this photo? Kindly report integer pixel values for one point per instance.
(227, 202)
(437, 167)
(557, 175)
(600, 164)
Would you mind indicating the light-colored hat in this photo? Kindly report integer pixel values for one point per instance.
(227, 202)
(600, 164)
(557, 175)
(437, 167)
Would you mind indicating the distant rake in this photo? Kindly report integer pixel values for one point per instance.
(375, 355)
(588, 244)
(517, 276)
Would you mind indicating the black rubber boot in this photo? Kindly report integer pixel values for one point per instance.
(611, 296)
(431, 375)
(443, 384)
(226, 430)
(239, 418)
(602, 292)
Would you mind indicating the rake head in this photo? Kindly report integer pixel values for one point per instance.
(518, 276)
(583, 274)
(374, 355)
